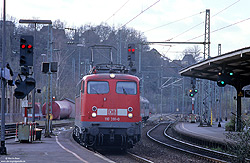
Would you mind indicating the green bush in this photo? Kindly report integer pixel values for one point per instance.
(230, 126)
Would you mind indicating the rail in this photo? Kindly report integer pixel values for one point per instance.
(195, 150)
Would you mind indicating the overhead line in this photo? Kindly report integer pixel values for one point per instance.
(221, 28)
(185, 31)
(203, 21)
(140, 13)
(117, 10)
(175, 21)
(225, 8)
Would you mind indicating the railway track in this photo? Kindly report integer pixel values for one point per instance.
(139, 158)
(121, 156)
(168, 141)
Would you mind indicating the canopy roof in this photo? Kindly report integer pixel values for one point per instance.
(237, 61)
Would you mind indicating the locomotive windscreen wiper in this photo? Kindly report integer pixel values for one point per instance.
(96, 91)
(124, 91)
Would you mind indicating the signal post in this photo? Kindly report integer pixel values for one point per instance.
(192, 93)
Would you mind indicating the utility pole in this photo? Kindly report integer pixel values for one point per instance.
(3, 150)
(206, 85)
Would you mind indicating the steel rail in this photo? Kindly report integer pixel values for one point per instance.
(181, 149)
(139, 158)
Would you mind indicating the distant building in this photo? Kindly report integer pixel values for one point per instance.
(187, 60)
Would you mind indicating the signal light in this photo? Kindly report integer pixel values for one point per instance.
(29, 46)
(131, 52)
(230, 73)
(192, 92)
(221, 83)
(23, 46)
(225, 77)
(26, 50)
(221, 79)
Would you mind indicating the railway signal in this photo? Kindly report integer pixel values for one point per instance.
(131, 52)
(26, 50)
(24, 87)
(192, 92)
(224, 78)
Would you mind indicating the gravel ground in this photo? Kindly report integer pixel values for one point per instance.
(157, 153)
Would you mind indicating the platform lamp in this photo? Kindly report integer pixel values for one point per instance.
(79, 58)
(43, 55)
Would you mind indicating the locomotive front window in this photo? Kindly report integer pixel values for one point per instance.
(128, 88)
(98, 87)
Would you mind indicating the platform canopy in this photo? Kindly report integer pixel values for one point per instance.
(238, 61)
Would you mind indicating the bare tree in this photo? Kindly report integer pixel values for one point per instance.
(195, 51)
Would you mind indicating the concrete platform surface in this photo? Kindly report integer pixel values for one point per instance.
(61, 148)
(212, 133)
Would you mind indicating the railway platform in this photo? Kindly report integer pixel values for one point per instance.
(209, 136)
(60, 148)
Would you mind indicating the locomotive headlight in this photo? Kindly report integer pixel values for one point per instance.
(130, 115)
(94, 115)
(112, 76)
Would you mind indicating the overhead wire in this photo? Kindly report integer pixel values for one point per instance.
(216, 15)
(140, 13)
(204, 22)
(174, 21)
(225, 8)
(241, 21)
(117, 10)
(185, 31)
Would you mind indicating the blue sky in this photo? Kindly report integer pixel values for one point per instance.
(162, 13)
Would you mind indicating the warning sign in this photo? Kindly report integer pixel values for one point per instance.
(240, 94)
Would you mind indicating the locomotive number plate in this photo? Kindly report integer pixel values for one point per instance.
(112, 119)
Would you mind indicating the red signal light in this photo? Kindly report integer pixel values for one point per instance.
(23, 46)
(131, 50)
(30, 46)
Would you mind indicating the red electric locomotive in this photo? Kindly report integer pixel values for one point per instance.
(108, 109)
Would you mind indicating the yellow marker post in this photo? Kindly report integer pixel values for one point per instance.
(211, 117)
